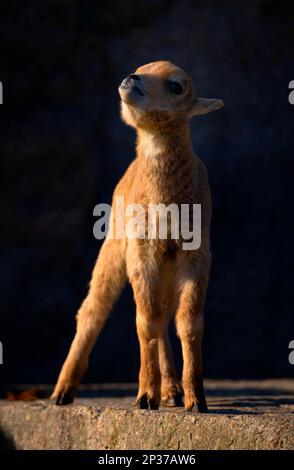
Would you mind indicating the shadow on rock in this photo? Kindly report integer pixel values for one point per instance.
(6, 441)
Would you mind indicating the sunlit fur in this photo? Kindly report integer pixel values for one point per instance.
(167, 281)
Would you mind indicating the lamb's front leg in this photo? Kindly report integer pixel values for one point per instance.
(190, 326)
(150, 329)
(149, 332)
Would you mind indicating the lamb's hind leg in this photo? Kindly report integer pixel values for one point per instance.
(190, 326)
(171, 389)
(109, 276)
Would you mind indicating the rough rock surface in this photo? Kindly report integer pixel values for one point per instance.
(243, 415)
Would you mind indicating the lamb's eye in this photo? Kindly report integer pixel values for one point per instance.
(175, 88)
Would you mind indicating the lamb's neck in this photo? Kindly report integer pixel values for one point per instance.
(166, 164)
(153, 147)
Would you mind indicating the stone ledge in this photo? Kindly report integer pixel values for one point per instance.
(243, 415)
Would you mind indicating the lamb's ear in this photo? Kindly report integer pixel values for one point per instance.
(205, 105)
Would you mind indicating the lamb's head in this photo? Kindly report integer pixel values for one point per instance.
(159, 94)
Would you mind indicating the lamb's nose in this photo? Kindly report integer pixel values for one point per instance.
(133, 76)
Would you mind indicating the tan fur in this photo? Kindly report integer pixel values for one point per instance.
(167, 281)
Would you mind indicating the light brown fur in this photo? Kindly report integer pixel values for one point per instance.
(167, 281)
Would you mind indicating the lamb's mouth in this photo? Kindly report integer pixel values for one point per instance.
(137, 89)
(130, 87)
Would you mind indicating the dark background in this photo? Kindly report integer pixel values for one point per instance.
(64, 147)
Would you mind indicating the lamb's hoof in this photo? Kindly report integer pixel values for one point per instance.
(195, 406)
(175, 400)
(65, 397)
(146, 403)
